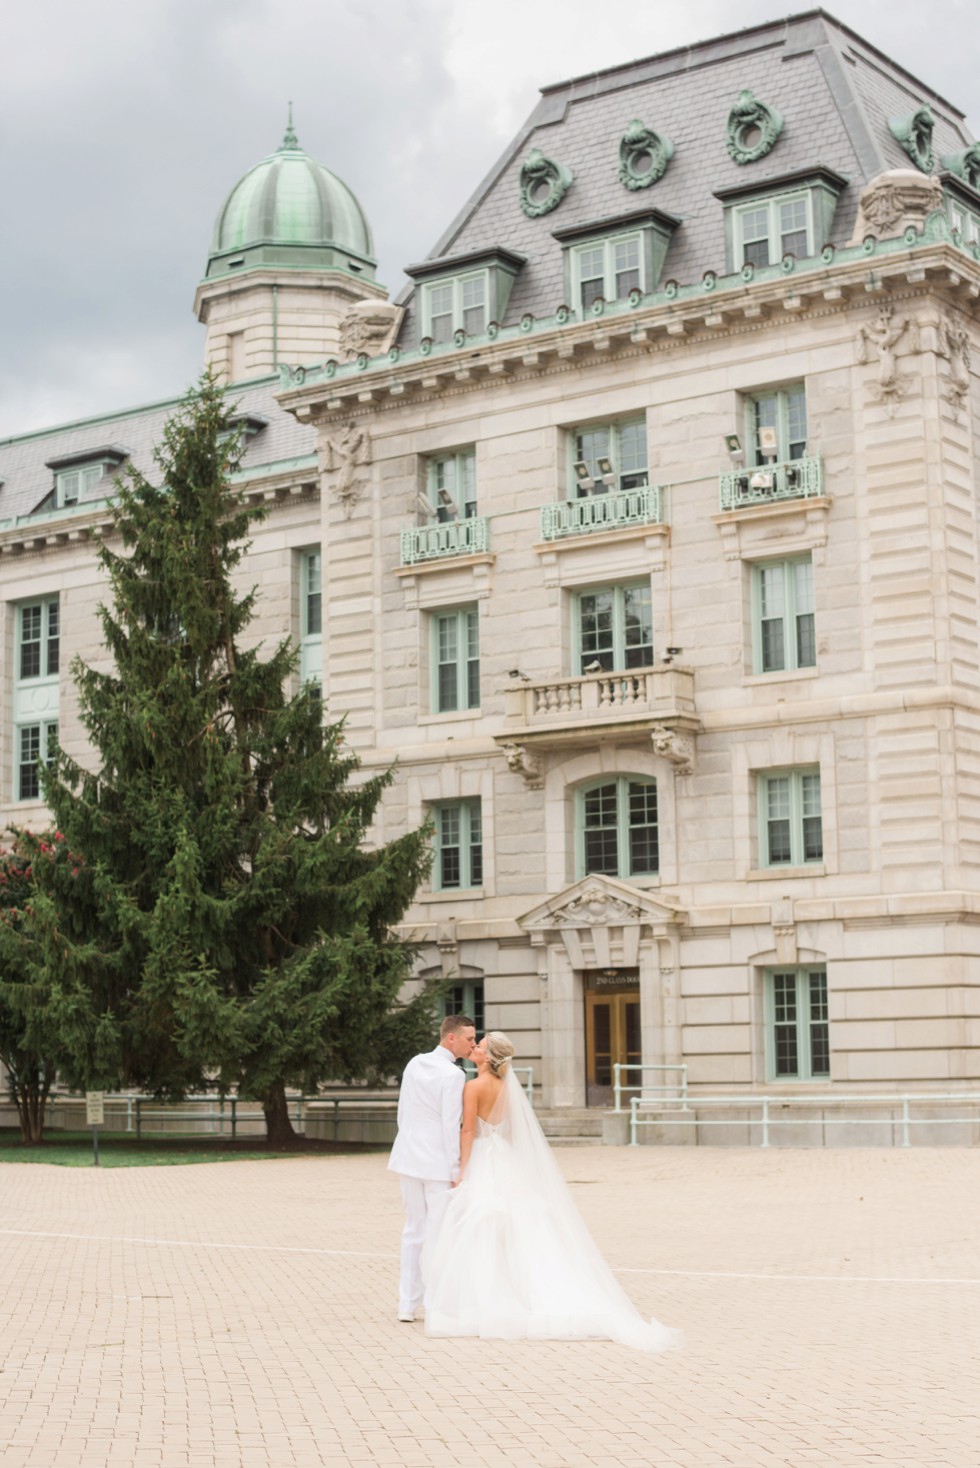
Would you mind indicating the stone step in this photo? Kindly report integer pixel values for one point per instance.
(571, 1122)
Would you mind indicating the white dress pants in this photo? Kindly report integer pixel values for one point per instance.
(422, 1200)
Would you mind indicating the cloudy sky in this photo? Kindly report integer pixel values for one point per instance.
(124, 123)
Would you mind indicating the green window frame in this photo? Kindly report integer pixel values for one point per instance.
(38, 639)
(465, 998)
(451, 485)
(607, 268)
(455, 660)
(782, 409)
(613, 627)
(965, 221)
(311, 618)
(797, 1024)
(71, 485)
(783, 629)
(458, 849)
(604, 457)
(37, 743)
(768, 229)
(790, 818)
(459, 302)
(617, 830)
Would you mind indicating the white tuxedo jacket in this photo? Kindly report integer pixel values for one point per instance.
(430, 1108)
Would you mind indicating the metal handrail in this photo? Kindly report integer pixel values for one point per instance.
(671, 1093)
(762, 483)
(642, 505)
(905, 1099)
(445, 538)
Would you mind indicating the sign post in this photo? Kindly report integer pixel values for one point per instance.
(95, 1116)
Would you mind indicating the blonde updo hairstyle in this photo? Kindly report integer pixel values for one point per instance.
(499, 1052)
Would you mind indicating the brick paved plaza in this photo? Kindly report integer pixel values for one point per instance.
(243, 1313)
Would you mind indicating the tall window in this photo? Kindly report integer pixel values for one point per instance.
(797, 1029)
(609, 268)
(456, 660)
(614, 628)
(783, 628)
(311, 619)
(791, 827)
(458, 845)
(466, 998)
(768, 229)
(608, 456)
(783, 413)
(36, 692)
(448, 305)
(451, 485)
(617, 828)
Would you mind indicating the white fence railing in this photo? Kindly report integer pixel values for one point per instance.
(899, 1111)
(648, 1090)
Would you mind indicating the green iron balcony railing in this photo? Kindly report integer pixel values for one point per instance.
(440, 539)
(761, 485)
(616, 510)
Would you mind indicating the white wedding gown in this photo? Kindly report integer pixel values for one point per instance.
(510, 1257)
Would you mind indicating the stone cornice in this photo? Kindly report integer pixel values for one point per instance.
(746, 302)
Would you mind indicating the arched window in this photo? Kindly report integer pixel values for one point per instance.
(616, 827)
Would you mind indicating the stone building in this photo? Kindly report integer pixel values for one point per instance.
(643, 531)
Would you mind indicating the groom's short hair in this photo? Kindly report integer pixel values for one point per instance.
(453, 1023)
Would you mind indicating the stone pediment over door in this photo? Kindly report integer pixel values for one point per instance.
(601, 922)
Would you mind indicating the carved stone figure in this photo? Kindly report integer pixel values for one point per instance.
(596, 906)
(343, 456)
(521, 761)
(954, 345)
(895, 201)
(670, 745)
(882, 338)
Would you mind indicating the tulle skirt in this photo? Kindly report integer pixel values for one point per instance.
(511, 1259)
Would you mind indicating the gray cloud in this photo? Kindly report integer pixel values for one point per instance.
(123, 126)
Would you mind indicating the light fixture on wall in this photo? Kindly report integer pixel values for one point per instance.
(670, 653)
(447, 504)
(583, 476)
(594, 667)
(606, 472)
(768, 443)
(734, 446)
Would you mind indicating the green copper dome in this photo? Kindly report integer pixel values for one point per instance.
(289, 211)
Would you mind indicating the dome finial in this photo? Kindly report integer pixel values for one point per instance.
(290, 140)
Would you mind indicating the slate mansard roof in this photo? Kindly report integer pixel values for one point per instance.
(836, 95)
(27, 478)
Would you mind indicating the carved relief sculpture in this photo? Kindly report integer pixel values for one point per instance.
(596, 906)
(915, 135)
(343, 456)
(881, 338)
(965, 165)
(520, 761)
(544, 184)
(954, 345)
(676, 748)
(753, 128)
(369, 327)
(894, 202)
(643, 156)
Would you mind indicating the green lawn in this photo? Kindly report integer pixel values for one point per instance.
(74, 1149)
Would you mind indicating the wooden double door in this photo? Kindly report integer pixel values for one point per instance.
(612, 1036)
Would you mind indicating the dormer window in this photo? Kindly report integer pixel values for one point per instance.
(610, 259)
(76, 475)
(765, 232)
(463, 293)
(792, 215)
(451, 305)
(611, 269)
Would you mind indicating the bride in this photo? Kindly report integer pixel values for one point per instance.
(510, 1257)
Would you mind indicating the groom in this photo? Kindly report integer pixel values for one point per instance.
(426, 1150)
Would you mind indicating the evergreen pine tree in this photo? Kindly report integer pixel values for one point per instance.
(226, 920)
